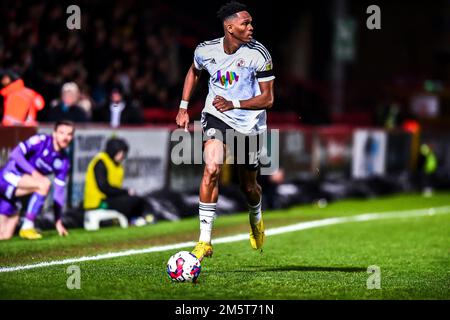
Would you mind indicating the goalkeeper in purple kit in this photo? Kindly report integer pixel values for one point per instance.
(25, 173)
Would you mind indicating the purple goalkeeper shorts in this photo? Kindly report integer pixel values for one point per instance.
(8, 185)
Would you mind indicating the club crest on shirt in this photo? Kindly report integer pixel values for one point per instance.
(240, 63)
(57, 164)
(210, 132)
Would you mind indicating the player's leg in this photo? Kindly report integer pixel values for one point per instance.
(209, 187)
(8, 208)
(3, 222)
(249, 185)
(8, 218)
(253, 194)
(248, 173)
(209, 193)
(39, 189)
(2, 226)
(8, 226)
(27, 184)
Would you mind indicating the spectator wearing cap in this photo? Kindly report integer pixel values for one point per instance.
(118, 110)
(68, 107)
(21, 104)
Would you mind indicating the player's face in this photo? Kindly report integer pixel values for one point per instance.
(241, 26)
(63, 136)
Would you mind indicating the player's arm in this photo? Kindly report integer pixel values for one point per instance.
(262, 101)
(24, 149)
(190, 83)
(19, 156)
(59, 197)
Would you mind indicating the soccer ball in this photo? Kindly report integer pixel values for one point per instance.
(183, 266)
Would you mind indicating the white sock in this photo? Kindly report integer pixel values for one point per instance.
(27, 224)
(207, 213)
(254, 213)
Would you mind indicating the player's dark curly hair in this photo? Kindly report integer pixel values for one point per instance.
(230, 9)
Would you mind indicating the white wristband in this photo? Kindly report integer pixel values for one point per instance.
(184, 104)
(236, 104)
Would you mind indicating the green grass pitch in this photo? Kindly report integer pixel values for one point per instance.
(328, 262)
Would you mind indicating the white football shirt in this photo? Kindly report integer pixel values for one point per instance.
(235, 76)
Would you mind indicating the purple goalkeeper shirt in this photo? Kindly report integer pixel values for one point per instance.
(37, 153)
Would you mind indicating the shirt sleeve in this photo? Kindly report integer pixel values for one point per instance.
(198, 59)
(32, 144)
(25, 150)
(59, 192)
(59, 189)
(264, 67)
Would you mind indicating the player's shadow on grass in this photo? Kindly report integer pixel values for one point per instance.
(303, 268)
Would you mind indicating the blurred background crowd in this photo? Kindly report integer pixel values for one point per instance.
(330, 67)
(121, 47)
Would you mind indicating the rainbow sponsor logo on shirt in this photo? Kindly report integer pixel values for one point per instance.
(228, 78)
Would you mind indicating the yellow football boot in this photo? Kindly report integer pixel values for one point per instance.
(257, 235)
(203, 249)
(30, 234)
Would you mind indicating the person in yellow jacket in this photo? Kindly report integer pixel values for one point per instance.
(428, 163)
(104, 184)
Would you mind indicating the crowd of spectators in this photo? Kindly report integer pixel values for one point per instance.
(122, 46)
(138, 50)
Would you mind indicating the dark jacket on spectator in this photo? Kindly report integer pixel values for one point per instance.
(61, 111)
(130, 113)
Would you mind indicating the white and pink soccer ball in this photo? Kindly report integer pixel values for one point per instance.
(183, 266)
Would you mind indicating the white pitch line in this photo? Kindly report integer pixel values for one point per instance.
(240, 237)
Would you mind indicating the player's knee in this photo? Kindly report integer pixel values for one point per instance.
(212, 170)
